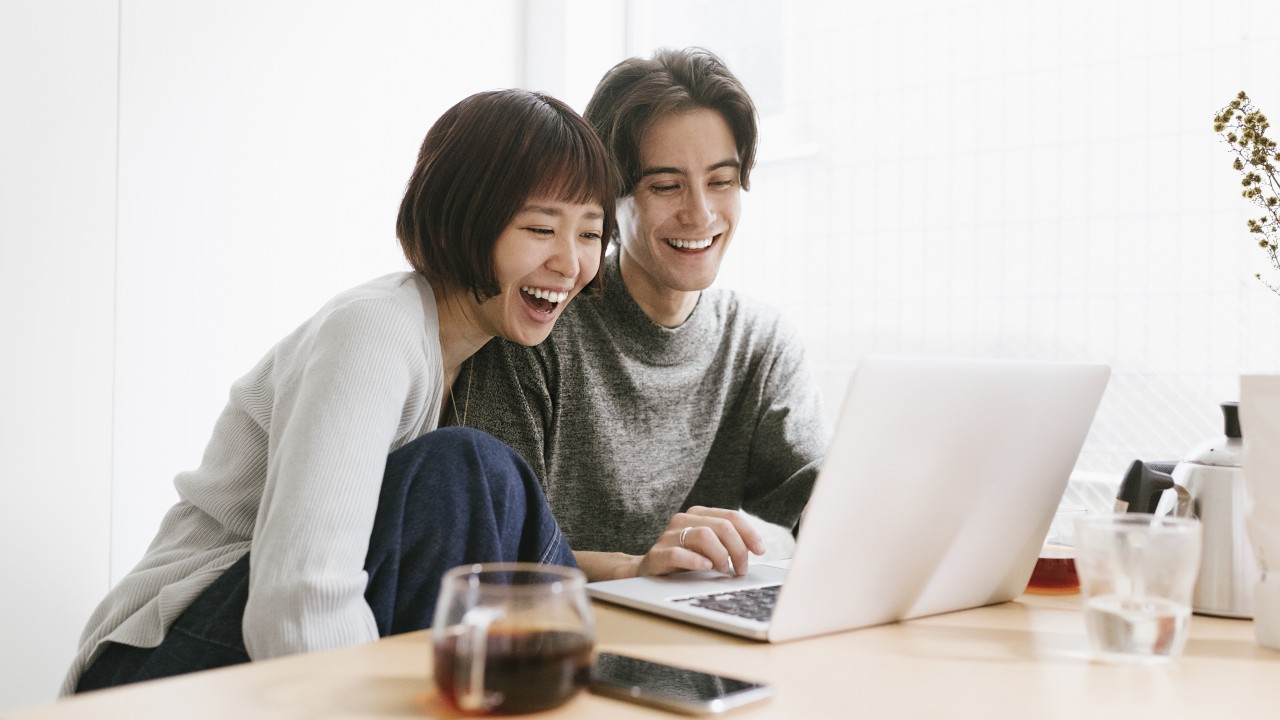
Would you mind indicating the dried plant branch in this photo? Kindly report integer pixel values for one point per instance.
(1244, 128)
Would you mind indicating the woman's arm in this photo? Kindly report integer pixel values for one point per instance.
(332, 425)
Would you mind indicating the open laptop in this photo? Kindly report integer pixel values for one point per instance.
(935, 495)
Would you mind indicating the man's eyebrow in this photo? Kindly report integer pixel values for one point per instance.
(666, 170)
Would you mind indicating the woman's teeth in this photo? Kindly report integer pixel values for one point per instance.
(548, 295)
(689, 244)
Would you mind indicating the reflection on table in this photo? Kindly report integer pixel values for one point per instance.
(1028, 658)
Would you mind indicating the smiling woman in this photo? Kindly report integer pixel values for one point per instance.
(539, 191)
(328, 505)
(548, 252)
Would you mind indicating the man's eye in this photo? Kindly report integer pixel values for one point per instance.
(665, 188)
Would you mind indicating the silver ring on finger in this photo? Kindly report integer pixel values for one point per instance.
(684, 532)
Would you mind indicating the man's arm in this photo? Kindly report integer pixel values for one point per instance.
(791, 435)
(701, 538)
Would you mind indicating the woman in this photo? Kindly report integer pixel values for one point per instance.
(327, 505)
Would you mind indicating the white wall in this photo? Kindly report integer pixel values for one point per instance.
(261, 153)
(57, 284)
(264, 149)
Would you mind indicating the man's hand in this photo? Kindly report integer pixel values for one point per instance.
(703, 539)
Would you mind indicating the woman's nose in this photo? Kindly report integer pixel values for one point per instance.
(565, 260)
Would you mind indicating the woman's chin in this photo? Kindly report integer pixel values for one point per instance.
(531, 324)
(530, 336)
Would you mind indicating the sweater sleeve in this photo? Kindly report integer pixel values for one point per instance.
(356, 377)
(790, 437)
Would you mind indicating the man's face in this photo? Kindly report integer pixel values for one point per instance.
(676, 226)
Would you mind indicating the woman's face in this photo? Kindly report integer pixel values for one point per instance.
(546, 255)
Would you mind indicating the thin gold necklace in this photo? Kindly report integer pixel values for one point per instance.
(466, 398)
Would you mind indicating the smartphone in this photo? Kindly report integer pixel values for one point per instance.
(671, 688)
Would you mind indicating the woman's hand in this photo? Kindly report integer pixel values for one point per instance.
(703, 538)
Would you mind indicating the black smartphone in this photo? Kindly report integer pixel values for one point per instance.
(671, 688)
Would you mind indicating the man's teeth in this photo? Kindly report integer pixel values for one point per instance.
(548, 295)
(689, 244)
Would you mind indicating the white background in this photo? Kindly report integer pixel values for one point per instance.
(183, 182)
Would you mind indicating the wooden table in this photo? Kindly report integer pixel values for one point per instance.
(1026, 659)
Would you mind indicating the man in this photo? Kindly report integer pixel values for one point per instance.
(657, 410)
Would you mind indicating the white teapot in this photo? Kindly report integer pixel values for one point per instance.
(1212, 475)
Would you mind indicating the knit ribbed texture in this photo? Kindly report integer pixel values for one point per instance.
(627, 422)
(293, 471)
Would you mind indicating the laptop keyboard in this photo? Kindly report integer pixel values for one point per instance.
(751, 603)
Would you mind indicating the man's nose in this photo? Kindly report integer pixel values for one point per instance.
(696, 210)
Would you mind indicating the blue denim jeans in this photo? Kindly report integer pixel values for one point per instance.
(452, 497)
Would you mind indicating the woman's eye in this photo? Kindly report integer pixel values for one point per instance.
(665, 188)
(541, 231)
(593, 236)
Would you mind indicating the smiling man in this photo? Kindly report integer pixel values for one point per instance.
(659, 409)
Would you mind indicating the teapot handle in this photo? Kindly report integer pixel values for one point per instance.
(1174, 501)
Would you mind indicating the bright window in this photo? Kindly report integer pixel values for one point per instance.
(1006, 179)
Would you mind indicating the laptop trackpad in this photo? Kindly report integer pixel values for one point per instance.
(686, 583)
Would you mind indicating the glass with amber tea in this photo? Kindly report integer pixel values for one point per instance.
(512, 637)
(1055, 571)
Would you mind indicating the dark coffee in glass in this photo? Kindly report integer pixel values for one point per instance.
(512, 637)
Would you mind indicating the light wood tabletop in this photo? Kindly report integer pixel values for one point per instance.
(1027, 659)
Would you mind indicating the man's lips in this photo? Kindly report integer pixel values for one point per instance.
(691, 244)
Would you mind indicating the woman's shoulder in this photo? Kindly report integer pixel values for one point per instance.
(402, 296)
(401, 288)
(395, 310)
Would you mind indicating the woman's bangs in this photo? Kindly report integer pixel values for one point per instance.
(575, 172)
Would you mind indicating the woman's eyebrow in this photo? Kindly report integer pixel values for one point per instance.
(553, 211)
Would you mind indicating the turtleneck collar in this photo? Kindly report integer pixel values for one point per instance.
(642, 337)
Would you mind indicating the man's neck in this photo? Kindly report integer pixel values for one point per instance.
(666, 307)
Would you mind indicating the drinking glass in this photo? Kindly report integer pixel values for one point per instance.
(1055, 570)
(1137, 573)
(512, 637)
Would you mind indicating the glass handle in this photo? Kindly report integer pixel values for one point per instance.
(474, 646)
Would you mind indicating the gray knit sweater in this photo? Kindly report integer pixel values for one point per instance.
(627, 422)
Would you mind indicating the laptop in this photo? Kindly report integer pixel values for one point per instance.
(935, 495)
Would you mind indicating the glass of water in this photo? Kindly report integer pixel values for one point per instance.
(1137, 573)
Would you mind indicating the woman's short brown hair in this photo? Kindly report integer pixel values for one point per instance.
(638, 91)
(480, 163)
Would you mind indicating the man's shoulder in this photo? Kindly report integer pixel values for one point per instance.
(740, 312)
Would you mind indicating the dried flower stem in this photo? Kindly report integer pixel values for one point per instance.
(1244, 128)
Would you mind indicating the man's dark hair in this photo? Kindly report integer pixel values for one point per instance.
(638, 91)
